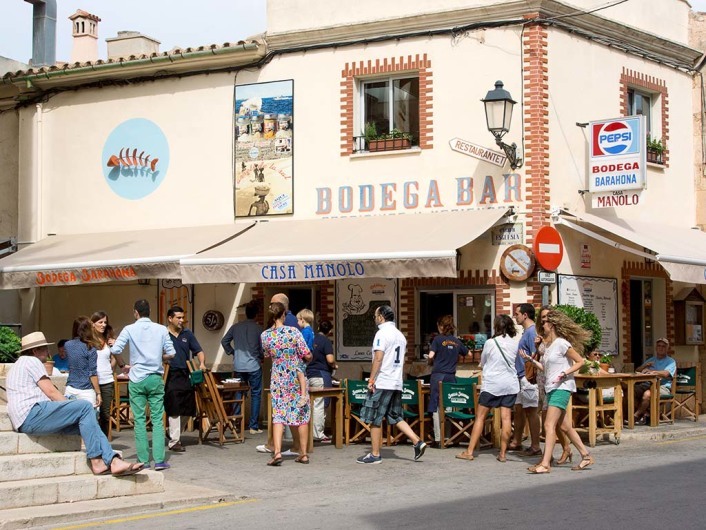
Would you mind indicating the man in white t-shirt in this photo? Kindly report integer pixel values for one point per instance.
(384, 398)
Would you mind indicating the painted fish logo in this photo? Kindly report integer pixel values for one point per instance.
(612, 138)
(132, 161)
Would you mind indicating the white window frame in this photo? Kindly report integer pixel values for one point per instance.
(391, 102)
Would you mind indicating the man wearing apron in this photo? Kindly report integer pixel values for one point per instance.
(179, 398)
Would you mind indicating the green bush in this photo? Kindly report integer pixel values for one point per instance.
(10, 344)
(586, 320)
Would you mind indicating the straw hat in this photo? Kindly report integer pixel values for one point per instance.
(34, 340)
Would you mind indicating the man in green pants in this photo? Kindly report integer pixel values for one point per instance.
(150, 345)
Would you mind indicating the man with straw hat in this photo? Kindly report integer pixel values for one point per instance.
(36, 407)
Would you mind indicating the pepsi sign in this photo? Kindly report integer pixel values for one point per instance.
(617, 154)
(615, 137)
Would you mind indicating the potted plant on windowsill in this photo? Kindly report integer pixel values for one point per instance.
(655, 150)
(392, 141)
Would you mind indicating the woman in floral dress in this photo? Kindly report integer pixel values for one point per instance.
(288, 350)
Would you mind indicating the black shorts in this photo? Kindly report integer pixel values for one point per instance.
(492, 402)
(382, 404)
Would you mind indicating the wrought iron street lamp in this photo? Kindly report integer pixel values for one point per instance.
(498, 115)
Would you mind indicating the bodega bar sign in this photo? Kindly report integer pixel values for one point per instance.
(617, 154)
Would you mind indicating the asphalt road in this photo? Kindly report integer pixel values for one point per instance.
(637, 484)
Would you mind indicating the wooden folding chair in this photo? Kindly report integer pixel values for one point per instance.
(412, 411)
(686, 402)
(212, 416)
(356, 392)
(668, 403)
(456, 412)
(120, 415)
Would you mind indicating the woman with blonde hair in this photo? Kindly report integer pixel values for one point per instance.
(564, 340)
(105, 363)
(81, 351)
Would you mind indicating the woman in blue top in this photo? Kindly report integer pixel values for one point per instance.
(443, 353)
(81, 351)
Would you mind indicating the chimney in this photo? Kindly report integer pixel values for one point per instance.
(85, 32)
(43, 32)
(129, 43)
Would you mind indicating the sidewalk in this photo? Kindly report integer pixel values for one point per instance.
(207, 474)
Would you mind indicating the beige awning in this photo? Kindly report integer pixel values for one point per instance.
(680, 250)
(392, 246)
(105, 257)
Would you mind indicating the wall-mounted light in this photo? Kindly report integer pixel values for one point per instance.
(498, 115)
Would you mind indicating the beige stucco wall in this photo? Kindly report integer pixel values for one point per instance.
(661, 17)
(579, 95)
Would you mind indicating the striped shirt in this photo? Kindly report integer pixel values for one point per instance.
(23, 391)
(82, 364)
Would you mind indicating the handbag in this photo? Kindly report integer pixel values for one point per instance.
(196, 377)
(531, 372)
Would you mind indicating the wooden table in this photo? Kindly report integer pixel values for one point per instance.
(595, 384)
(336, 394)
(630, 380)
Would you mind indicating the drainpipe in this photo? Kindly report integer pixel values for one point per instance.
(43, 32)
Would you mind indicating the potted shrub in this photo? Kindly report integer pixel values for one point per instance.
(588, 321)
(655, 150)
(606, 361)
(10, 345)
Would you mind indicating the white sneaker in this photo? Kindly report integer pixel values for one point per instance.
(263, 449)
(289, 452)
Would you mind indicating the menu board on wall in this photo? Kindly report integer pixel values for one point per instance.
(600, 297)
(356, 302)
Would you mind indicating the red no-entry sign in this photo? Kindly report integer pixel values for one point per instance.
(548, 248)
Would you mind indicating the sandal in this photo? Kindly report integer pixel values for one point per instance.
(531, 452)
(515, 447)
(106, 471)
(464, 456)
(566, 456)
(586, 461)
(501, 458)
(135, 467)
(276, 460)
(304, 459)
(539, 469)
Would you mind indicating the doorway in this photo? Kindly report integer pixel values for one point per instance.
(641, 320)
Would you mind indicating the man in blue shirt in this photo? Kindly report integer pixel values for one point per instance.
(663, 366)
(61, 361)
(527, 403)
(179, 398)
(149, 347)
(247, 360)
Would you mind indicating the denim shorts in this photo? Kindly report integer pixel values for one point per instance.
(382, 404)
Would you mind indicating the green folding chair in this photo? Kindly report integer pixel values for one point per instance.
(456, 412)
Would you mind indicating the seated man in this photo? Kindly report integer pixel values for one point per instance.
(663, 366)
(61, 361)
(36, 407)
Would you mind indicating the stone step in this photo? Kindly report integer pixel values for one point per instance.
(15, 443)
(176, 496)
(56, 490)
(42, 465)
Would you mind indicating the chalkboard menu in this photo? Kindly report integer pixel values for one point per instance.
(356, 302)
(600, 297)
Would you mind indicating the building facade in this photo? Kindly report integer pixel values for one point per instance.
(344, 158)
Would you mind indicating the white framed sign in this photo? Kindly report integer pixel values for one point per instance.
(617, 154)
(356, 301)
(600, 297)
